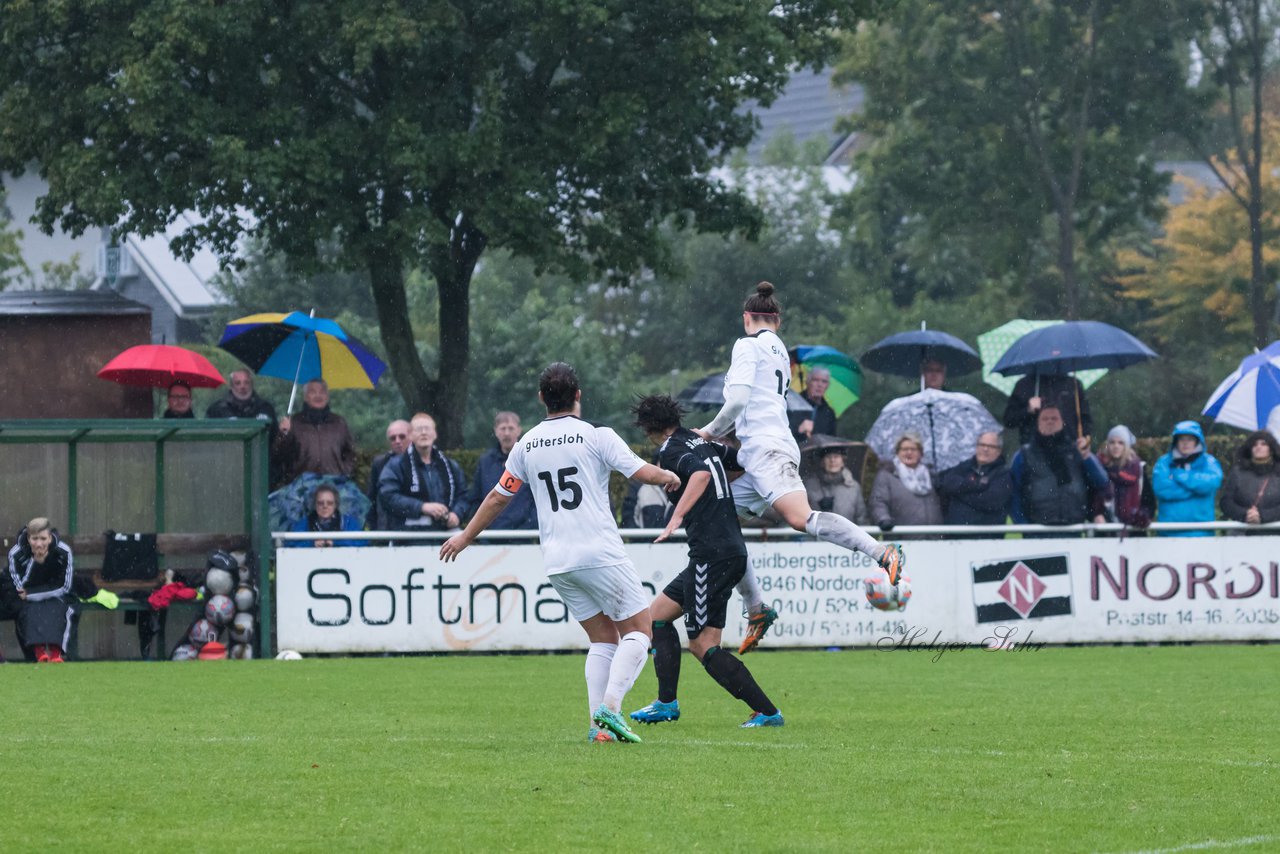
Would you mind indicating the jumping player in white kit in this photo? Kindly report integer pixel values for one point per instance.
(566, 463)
(755, 409)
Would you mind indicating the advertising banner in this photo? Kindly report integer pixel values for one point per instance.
(1013, 591)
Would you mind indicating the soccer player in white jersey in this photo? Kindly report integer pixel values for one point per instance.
(566, 463)
(755, 408)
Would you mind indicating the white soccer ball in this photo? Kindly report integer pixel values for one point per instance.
(885, 596)
(184, 652)
(219, 582)
(245, 598)
(289, 655)
(242, 651)
(242, 628)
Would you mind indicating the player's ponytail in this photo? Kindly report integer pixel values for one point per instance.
(761, 301)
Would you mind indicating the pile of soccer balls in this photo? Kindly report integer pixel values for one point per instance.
(885, 596)
(230, 606)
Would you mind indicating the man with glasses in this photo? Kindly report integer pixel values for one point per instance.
(397, 443)
(978, 490)
(179, 402)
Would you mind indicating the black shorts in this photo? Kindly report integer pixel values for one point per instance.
(702, 591)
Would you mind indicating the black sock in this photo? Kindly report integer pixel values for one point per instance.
(666, 659)
(735, 678)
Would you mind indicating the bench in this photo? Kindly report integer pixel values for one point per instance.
(94, 545)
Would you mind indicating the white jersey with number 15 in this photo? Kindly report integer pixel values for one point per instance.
(761, 361)
(566, 463)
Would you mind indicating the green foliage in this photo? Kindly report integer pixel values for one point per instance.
(1087, 749)
(992, 125)
(12, 267)
(409, 134)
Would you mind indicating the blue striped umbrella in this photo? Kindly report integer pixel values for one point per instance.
(1246, 398)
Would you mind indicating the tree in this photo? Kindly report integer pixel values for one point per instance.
(1004, 133)
(401, 132)
(12, 267)
(1198, 277)
(1238, 52)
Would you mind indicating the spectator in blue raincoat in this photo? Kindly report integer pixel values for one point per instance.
(1185, 480)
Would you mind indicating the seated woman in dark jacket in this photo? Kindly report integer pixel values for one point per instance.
(1252, 491)
(38, 587)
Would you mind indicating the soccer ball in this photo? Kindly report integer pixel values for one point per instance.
(245, 597)
(242, 628)
(289, 655)
(202, 632)
(184, 652)
(242, 651)
(885, 596)
(219, 582)
(219, 610)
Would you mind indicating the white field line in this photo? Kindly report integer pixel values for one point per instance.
(1212, 845)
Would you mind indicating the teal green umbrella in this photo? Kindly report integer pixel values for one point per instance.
(992, 345)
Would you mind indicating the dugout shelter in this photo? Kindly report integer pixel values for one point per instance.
(198, 484)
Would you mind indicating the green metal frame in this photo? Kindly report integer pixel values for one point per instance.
(251, 434)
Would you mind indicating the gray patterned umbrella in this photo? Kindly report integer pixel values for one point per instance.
(949, 422)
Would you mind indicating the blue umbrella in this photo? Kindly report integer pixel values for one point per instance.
(902, 354)
(1246, 398)
(1072, 346)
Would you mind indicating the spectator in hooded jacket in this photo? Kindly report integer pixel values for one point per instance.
(422, 489)
(326, 515)
(978, 490)
(1186, 479)
(903, 493)
(315, 440)
(1053, 474)
(1129, 501)
(834, 489)
(39, 589)
(1252, 491)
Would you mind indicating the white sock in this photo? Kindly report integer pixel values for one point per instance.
(842, 532)
(749, 589)
(628, 661)
(599, 657)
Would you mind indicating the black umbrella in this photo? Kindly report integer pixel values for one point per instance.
(708, 393)
(903, 353)
(1076, 345)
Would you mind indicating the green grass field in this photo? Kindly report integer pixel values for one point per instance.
(1084, 749)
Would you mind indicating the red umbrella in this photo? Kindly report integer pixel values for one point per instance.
(160, 366)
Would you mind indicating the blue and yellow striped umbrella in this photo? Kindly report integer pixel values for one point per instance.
(294, 346)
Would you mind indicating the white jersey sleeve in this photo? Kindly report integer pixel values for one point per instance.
(615, 453)
(742, 367)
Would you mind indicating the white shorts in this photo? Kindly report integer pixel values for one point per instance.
(773, 474)
(614, 590)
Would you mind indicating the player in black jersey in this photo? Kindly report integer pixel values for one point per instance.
(717, 561)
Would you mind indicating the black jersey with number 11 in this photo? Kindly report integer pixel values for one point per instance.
(712, 522)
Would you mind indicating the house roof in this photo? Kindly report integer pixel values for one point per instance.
(808, 107)
(65, 303)
(182, 284)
